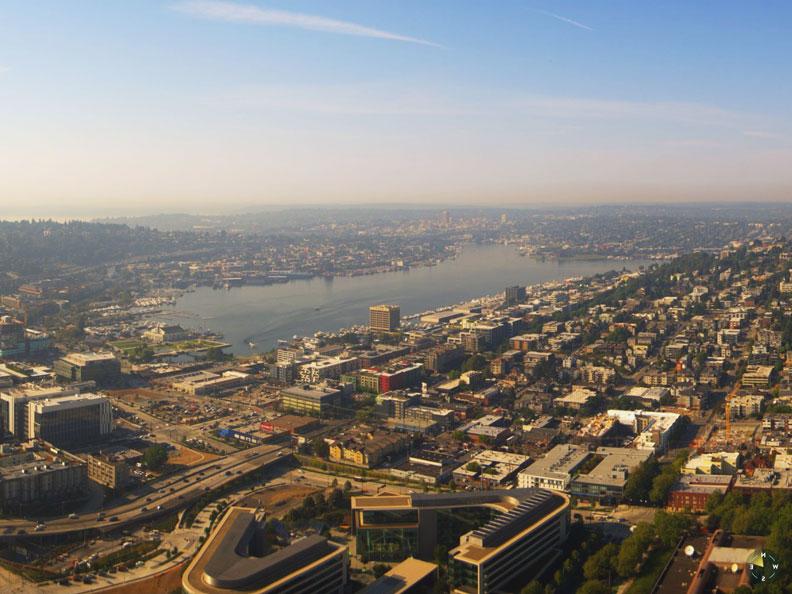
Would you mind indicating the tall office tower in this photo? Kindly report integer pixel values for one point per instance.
(514, 295)
(385, 318)
(70, 420)
(445, 218)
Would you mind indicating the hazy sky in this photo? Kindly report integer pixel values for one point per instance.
(113, 105)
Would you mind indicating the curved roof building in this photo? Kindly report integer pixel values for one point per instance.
(235, 558)
(521, 539)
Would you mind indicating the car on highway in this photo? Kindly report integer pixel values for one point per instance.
(113, 519)
(72, 516)
(144, 508)
(40, 526)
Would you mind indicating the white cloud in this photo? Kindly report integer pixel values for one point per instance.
(564, 19)
(251, 14)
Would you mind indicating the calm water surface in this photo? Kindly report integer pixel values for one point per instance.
(265, 314)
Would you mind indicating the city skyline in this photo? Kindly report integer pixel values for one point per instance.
(201, 105)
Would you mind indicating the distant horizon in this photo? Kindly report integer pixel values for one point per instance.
(65, 213)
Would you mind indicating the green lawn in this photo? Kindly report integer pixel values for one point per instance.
(128, 345)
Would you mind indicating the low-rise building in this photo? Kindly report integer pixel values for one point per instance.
(651, 396)
(691, 491)
(757, 376)
(36, 475)
(555, 470)
(576, 399)
(325, 368)
(713, 463)
(203, 383)
(492, 467)
(652, 430)
(110, 468)
(367, 449)
(80, 367)
(317, 401)
(606, 481)
(746, 405)
(163, 333)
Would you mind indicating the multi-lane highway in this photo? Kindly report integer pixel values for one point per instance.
(168, 494)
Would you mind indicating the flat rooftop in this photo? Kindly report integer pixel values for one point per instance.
(85, 358)
(559, 462)
(405, 575)
(226, 562)
(615, 459)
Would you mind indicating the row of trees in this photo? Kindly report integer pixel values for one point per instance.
(762, 515)
(651, 482)
(592, 566)
(329, 509)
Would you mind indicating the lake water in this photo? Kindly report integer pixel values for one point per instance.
(268, 313)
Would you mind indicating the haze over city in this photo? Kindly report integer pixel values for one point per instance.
(121, 108)
(407, 297)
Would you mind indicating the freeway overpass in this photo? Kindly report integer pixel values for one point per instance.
(170, 494)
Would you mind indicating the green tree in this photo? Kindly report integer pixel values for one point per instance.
(600, 565)
(533, 587)
(475, 363)
(155, 457)
(630, 555)
(633, 548)
(337, 499)
(320, 447)
(661, 487)
(669, 527)
(594, 587)
(216, 354)
(639, 482)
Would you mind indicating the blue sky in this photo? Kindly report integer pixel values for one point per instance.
(203, 105)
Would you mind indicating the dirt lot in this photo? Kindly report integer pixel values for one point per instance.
(137, 395)
(279, 499)
(186, 457)
(161, 583)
